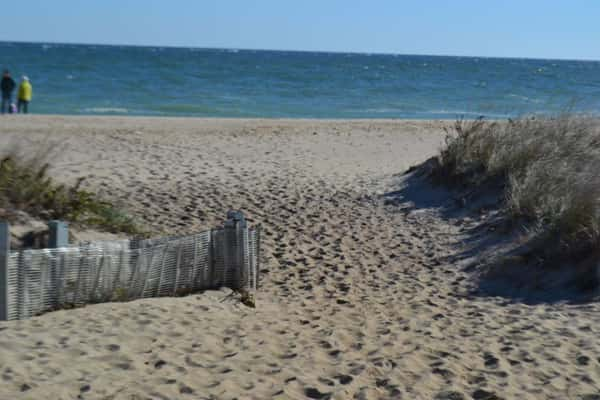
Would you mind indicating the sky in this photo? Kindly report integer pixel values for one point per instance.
(568, 29)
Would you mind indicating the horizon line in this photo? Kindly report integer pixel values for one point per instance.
(295, 50)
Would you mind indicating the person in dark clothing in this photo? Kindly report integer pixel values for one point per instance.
(7, 87)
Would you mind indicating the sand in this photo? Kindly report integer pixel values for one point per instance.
(361, 298)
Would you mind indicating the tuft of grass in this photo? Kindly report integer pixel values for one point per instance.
(26, 186)
(548, 169)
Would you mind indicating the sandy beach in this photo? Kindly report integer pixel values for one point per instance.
(359, 298)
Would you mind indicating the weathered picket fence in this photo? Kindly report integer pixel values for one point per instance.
(36, 281)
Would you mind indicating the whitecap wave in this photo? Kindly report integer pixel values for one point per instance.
(524, 98)
(106, 110)
(459, 113)
(382, 110)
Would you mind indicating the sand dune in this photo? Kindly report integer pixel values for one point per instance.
(359, 299)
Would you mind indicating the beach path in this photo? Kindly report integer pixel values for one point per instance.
(358, 299)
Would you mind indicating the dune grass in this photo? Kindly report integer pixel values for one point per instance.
(26, 186)
(548, 170)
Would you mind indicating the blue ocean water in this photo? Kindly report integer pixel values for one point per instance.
(125, 80)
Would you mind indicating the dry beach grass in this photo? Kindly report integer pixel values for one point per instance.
(359, 299)
(547, 169)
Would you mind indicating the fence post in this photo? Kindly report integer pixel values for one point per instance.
(211, 273)
(228, 249)
(4, 255)
(236, 222)
(256, 260)
(242, 249)
(59, 234)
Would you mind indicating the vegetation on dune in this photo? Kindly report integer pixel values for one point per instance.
(548, 169)
(26, 186)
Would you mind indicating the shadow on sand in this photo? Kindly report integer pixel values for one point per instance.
(491, 250)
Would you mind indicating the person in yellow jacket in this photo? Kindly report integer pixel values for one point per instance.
(24, 95)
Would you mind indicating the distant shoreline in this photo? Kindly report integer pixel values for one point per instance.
(183, 118)
(359, 53)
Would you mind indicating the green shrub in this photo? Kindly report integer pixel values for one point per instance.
(25, 185)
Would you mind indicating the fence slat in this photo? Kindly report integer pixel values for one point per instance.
(4, 256)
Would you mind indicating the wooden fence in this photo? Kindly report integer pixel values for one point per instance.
(36, 281)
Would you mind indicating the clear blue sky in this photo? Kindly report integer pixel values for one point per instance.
(520, 28)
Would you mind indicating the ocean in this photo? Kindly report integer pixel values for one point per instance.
(161, 81)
